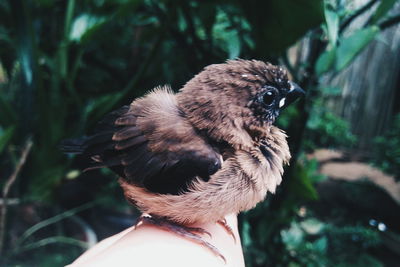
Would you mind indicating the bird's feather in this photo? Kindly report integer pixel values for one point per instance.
(151, 144)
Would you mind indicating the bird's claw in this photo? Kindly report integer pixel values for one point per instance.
(191, 233)
(227, 228)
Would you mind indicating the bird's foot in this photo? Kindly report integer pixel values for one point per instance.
(191, 233)
(159, 221)
(227, 228)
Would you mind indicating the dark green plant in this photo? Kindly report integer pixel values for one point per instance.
(330, 50)
(325, 129)
(262, 223)
(387, 149)
(311, 242)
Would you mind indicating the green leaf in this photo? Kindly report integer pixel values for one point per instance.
(7, 114)
(52, 240)
(278, 24)
(5, 137)
(332, 22)
(234, 46)
(312, 226)
(226, 36)
(325, 61)
(42, 224)
(321, 244)
(293, 237)
(84, 25)
(301, 184)
(384, 7)
(352, 45)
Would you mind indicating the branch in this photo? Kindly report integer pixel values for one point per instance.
(391, 21)
(10, 181)
(357, 13)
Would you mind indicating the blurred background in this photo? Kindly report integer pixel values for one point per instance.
(64, 64)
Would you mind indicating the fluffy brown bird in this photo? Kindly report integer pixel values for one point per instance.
(202, 153)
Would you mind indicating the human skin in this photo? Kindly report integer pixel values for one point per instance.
(149, 246)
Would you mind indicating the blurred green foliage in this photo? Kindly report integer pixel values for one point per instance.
(342, 48)
(311, 242)
(325, 129)
(262, 226)
(64, 64)
(57, 256)
(386, 149)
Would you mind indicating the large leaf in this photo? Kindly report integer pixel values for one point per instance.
(353, 45)
(85, 25)
(325, 61)
(384, 7)
(332, 22)
(342, 55)
(277, 24)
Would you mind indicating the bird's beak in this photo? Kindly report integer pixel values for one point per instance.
(294, 93)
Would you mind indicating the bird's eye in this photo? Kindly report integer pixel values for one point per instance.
(268, 98)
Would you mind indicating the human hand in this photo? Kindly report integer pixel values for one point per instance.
(149, 245)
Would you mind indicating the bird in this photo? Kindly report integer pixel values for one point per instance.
(194, 156)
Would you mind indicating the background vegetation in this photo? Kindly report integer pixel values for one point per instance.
(64, 64)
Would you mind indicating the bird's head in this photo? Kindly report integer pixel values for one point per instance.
(238, 97)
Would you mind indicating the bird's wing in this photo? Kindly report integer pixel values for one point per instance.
(151, 144)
